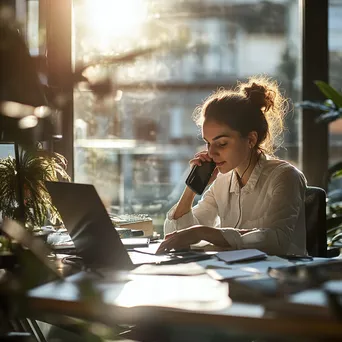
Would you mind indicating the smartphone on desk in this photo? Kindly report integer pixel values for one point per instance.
(199, 176)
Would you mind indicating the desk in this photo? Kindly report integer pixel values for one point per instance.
(62, 298)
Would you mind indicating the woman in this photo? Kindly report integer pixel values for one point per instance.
(254, 200)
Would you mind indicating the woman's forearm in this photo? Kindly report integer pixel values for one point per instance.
(213, 235)
(185, 203)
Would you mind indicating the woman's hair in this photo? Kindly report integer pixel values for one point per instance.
(256, 105)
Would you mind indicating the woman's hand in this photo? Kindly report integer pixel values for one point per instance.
(201, 157)
(180, 239)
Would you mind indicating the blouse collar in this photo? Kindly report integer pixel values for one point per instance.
(250, 185)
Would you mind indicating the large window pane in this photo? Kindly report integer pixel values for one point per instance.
(335, 79)
(33, 27)
(135, 144)
(335, 73)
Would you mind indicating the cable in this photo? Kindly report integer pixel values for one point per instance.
(240, 180)
(240, 211)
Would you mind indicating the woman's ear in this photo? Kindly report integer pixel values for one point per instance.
(252, 139)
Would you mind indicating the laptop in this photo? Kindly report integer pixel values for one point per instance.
(96, 240)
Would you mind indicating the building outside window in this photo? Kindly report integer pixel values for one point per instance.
(135, 145)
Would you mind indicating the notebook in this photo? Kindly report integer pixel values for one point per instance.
(241, 255)
(92, 232)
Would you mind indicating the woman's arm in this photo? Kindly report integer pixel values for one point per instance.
(185, 203)
(183, 215)
(186, 237)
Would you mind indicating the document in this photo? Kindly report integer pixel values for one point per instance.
(198, 292)
(186, 269)
(225, 274)
(241, 255)
(221, 271)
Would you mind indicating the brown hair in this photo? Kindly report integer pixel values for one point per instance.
(256, 105)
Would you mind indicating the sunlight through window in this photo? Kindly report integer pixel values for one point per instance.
(108, 20)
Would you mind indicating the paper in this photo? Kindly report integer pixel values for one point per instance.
(261, 266)
(199, 293)
(251, 267)
(213, 263)
(190, 268)
(56, 239)
(136, 242)
(151, 249)
(241, 255)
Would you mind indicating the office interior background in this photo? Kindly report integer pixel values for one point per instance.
(134, 145)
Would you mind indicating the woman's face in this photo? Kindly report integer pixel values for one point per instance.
(225, 146)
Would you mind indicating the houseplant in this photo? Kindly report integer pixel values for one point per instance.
(331, 108)
(36, 167)
(330, 111)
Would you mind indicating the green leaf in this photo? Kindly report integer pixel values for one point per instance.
(329, 117)
(313, 106)
(337, 174)
(330, 93)
(35, 168)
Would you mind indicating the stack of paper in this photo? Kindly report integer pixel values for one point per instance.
(241, 263)
(133, 221)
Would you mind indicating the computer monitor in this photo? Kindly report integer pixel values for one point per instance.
(6, 150)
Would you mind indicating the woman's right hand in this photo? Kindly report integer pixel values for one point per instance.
(201, 157)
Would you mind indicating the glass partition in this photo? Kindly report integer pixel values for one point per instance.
(133, 140)
(335, 79)
(335, 74)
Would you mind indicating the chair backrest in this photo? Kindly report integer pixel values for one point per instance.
(315, 216)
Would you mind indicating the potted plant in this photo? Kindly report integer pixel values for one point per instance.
(35, 167)
(331, 110)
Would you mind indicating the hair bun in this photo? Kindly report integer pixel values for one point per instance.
(260, 96)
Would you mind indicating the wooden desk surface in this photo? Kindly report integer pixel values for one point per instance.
(63, 298)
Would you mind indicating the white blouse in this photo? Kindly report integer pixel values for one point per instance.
(271, 203)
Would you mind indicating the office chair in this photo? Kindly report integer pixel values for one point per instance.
(315, 218)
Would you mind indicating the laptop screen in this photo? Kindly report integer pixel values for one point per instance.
(89, 225)
(6, 149)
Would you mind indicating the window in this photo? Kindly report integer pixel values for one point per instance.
(135, 144)
(33, 27)
(335, 77)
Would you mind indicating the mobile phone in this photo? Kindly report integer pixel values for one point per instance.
(199, 176)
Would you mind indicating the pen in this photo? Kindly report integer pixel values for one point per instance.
(296, 257)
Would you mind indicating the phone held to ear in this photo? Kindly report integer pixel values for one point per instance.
(199, 177)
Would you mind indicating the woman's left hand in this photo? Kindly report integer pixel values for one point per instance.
(181, 239)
